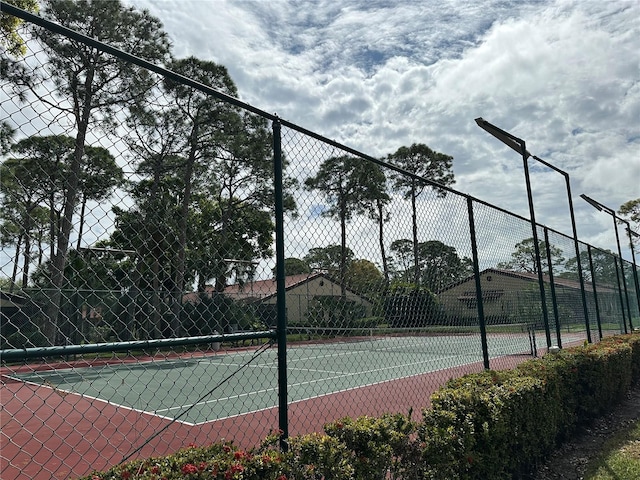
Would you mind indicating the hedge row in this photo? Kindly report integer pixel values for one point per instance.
(494, 424)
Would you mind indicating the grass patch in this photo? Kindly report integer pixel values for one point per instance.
(620, 457)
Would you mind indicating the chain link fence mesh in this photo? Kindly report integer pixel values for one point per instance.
(139, 289)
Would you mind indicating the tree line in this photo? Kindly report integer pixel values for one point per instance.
(199, 198)
(200, 207)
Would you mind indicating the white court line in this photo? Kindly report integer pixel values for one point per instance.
(268, 365)
(333, 376)
(338, 375)
(291, 402)
(97, 399)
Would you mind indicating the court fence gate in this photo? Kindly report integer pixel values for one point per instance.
(179, 266)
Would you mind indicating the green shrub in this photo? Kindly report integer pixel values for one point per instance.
(558, 373)
(447, 440)
(382, 447)
(367, 322)
(318, 457)
(329, 311)
(217, 461)
(28, 337)
(497, 424)
(493, 419)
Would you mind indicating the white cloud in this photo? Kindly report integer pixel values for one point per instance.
(376, 75)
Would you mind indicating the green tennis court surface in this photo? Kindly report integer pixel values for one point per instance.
(207, 388)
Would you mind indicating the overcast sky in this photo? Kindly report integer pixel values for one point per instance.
(376, 75)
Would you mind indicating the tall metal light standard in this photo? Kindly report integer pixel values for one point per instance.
(518, 145)
(635, 265)
(603, 208)
(633, 258)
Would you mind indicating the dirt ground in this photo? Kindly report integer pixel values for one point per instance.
(570, 460)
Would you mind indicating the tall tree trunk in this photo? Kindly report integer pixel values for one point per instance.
(151, 324)
(62, 250)
(27, 255)
(176, 304)
(132, 300)
(81, 226)
(155, 331)
(14, 273)
(41, 234)
(221, 278)
(385, 265)
(83, 115)
(53, 223)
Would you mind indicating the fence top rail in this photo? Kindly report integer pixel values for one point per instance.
(20, 354)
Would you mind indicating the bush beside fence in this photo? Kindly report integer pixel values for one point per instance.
(494, 424)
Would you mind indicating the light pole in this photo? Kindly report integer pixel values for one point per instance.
(603, 208)
(635, 265)
(518, 145)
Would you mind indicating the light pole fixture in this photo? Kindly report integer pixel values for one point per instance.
(509, 140)
(519, 146)
(603, 208)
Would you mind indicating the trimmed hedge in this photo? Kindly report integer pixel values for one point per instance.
(494, 424)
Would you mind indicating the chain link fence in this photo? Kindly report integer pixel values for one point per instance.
(179, 267)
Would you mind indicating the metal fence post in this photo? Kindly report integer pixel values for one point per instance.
(578, 260)
(536, 245)
(281, 328)
(476, 274)
(624, 280)
(618, 274)
(633, 265)
(554, 299)
(595, 293)
(603, 208)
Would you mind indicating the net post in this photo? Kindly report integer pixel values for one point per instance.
(531, 330)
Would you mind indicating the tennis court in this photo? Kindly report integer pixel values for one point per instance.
(198, 389)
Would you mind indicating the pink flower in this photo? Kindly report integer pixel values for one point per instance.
(189, 468)
(235, 468)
